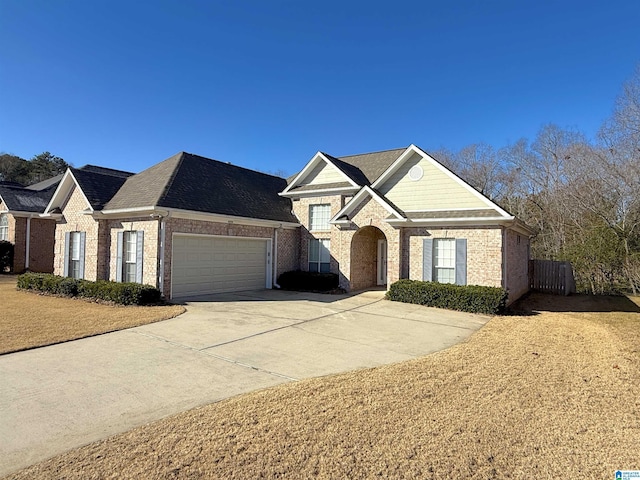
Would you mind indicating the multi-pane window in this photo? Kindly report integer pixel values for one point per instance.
(319, 216)
(4, 227)
(444, 260)
(319, 256)
(129, 256)
(75, 270)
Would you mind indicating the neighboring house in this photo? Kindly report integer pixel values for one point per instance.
(379, 217)
(20, 224)
(188, 225)
(193, 226)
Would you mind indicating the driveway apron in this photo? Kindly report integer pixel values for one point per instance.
(60, 397)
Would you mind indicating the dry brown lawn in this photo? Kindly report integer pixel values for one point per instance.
(29, 320)
(548, 395)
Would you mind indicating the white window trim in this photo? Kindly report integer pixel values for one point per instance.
(436, 267)
(74, 253)
(325, 226)
(4, 227)
(322, 242)
(129, 248)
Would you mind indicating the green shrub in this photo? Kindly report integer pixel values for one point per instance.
(314, 281)
(466, 298)
(6, 256)
(121, 293)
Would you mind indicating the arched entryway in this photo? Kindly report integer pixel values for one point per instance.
(368, 259)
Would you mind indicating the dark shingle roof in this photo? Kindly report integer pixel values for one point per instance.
(99, 184)
(190, 182)
(33, 198)
(370, 165)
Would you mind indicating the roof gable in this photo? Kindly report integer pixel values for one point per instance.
(97, 185)
(366, 192)
(347, 172)
(417, 182)
(321, 172)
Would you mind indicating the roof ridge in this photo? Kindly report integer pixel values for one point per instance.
(172, 177)
(232, 165)
(371, 153)
(102, 170)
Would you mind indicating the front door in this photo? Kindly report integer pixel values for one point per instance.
(382, 262)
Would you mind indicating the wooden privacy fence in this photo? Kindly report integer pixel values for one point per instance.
(550, 276)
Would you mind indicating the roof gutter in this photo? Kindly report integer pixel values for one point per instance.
(193, 215)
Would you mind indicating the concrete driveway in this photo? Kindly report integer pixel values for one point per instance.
(57, 398)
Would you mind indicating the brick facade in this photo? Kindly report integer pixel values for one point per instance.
(369, 214)
(41, 242)
(19, 242)
(301, 211)
(150, 227)
(41, 245)
(288, 251)
(73, 220)
(517, 268)
(484, 252)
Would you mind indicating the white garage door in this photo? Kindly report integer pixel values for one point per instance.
(202, 265)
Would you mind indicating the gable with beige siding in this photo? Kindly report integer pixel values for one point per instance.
(322, 174)
(436, 190)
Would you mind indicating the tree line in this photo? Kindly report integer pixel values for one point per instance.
(28, 172)
(581, 196)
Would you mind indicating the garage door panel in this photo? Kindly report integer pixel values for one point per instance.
(204, 265)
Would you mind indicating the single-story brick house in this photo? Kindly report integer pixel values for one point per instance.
(21, 224)
(188, 225)
(193, 226)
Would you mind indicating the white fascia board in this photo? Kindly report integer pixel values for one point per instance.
(414, 149)
(317, 158)
(128, 212)
(21, 214)
(340, 222)
(216, 217)
(355, 201)
(310, 164)
(319, 192)
(62, 192)
(51, 216)
(395, 165)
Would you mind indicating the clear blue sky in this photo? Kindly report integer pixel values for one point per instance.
(267, 83)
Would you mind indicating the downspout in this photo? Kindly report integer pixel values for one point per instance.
(504, 258)
(275, 258)
(162, 237)
(27, 244)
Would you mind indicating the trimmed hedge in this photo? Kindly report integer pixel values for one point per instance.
(466, 298)
(120, 293)
(314, 281)
(6, 256)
